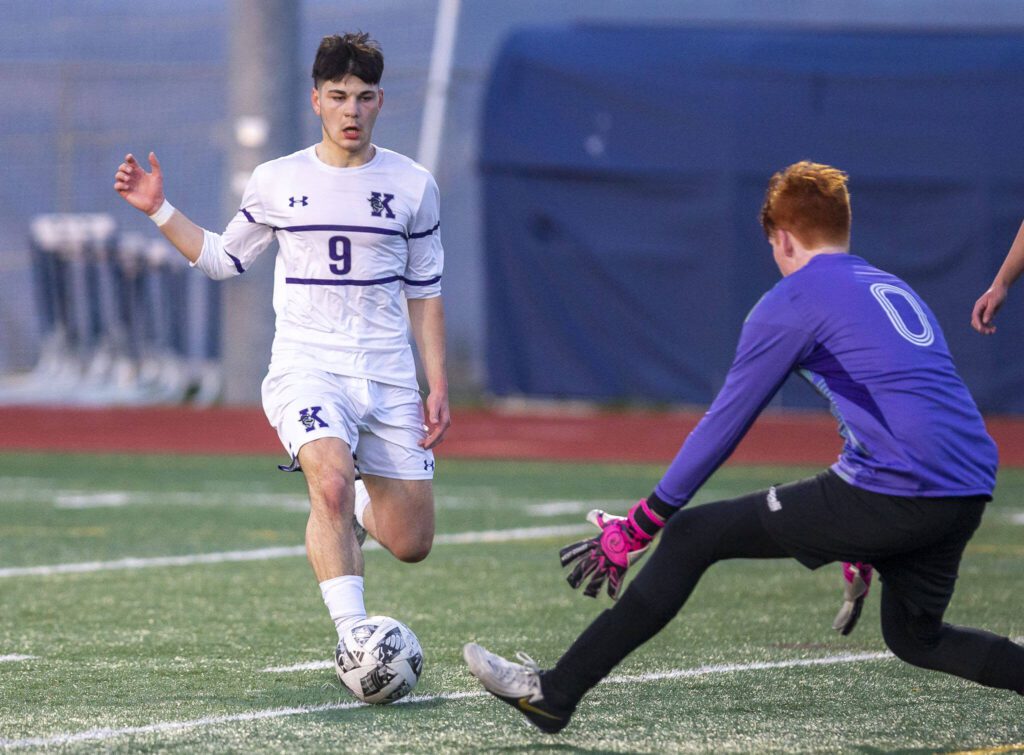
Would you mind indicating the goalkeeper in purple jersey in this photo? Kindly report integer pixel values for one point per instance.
(906, 494)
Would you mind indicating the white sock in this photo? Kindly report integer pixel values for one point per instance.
(344, 599)
(362, 501)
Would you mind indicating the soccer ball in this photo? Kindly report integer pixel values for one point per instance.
(379, 660)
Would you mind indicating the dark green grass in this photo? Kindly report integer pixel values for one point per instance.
(132, 648)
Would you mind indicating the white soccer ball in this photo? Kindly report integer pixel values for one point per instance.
(379, 660)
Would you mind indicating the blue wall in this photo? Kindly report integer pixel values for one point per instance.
(624, 167)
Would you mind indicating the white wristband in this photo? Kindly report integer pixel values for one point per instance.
(161, 216)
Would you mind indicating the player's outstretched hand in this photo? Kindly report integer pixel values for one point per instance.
(143, 191)
(606, 557)
(856, 583)
(985, 310)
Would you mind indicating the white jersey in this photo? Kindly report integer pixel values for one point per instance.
(352, 241)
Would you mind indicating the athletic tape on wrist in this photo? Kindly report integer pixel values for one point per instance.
(644, 521)
(162, 215)
(663, 509)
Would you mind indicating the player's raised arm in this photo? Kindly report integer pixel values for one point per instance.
(989, 302)
(145, 192)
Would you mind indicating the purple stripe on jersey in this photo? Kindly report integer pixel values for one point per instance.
(425, 233)
(349, 228)
(248, 217)
(350, 282)
(342, 282)
(428, 282)
(238, 262)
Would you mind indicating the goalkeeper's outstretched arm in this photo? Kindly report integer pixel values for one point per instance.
(145, 191)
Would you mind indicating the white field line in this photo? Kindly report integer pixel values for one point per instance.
(722, 668)
(96, 735)
(728, 668)
(310, 666)
(557, 508)
(265, 554)
(1017, 518)
(14, 657)
(14, 489)
(69, 499)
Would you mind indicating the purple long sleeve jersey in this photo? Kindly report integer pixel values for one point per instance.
(873, 348)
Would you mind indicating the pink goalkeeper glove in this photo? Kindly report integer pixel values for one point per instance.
(606, 557)
(856, 583)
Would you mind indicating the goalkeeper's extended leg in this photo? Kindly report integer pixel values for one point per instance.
(691, 541)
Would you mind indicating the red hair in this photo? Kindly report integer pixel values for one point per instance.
(810, 200)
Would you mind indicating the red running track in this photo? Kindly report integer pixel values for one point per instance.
(626, 436)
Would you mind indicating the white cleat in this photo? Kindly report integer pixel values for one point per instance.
(517, 684)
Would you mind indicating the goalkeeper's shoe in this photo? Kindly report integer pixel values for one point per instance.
(517, 684)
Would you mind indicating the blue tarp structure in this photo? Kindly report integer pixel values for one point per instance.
(624, 169)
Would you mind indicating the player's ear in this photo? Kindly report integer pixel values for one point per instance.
(786, 241)
(380, 98)
(314, 99)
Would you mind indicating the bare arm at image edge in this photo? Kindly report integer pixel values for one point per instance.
(989, 303)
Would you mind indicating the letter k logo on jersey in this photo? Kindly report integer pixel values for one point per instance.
(381, 204)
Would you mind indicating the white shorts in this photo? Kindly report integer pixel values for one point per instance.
(381, 423)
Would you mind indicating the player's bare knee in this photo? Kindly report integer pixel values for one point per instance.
(413, 549)
(331, 493)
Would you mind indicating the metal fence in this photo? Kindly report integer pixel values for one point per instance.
(120, 321)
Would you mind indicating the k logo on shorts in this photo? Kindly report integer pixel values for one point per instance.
(311, 419)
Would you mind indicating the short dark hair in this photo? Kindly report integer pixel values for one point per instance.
(809, 200)
(340, 55)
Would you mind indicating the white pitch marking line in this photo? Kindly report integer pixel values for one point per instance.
(94, 735)
(13, 657)
(264, 554)
(727, 668)
(723, 668)
(311, 666)
(557, 508)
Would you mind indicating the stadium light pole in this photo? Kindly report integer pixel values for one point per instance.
(263, 116)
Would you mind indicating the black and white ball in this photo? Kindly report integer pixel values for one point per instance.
(379, 660)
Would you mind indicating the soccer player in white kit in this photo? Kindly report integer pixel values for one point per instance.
(359, 230)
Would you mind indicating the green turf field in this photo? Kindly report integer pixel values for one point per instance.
(125, 656)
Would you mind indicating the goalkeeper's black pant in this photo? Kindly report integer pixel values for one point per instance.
(697, 537)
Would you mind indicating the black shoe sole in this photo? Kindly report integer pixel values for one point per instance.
(545, 719)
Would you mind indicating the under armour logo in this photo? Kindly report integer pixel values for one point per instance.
(380, 204)
(310, 417)
(428, 466)
(302, 201)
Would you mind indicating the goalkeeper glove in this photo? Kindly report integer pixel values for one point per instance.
(856, 583)
(623, 540)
